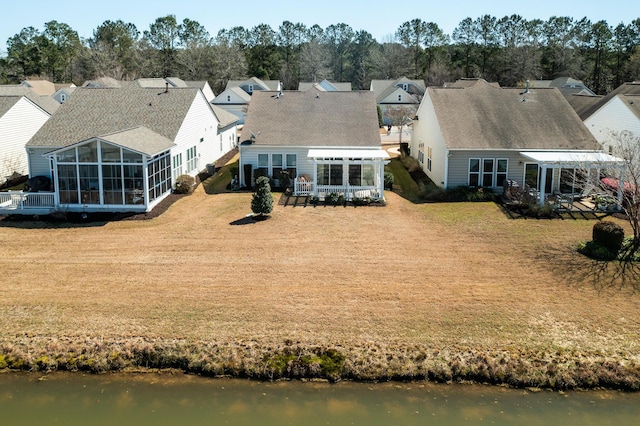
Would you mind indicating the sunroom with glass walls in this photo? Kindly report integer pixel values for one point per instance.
(98, 173)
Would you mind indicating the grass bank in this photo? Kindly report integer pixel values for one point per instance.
(516, 367)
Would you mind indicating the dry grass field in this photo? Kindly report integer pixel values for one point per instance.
(440, 291)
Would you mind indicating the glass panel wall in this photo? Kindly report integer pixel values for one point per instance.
(112, 183)
(159, 172)
(68, 183)
(88, 153)
(100, 173)
(89, 184)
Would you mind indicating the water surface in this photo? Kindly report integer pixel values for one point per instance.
(165, 399)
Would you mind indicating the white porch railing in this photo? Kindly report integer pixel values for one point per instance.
(349, 191)
(302, 187)
(19, 200)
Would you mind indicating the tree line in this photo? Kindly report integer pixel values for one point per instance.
(508, 50)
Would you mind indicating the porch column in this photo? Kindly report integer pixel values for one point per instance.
(55, 181)
(543, 184)
(315, 177)
(380, 177)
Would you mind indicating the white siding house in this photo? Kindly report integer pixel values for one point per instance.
(618, 114)
(121, 149)
(233, 100)
(481, 135)
(20, 119)
(328, 142)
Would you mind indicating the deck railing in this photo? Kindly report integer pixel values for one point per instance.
(20, 200)
(350, 192)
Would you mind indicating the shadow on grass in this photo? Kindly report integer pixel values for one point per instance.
(575, 269)
(249, 220)
(512, 212)
(50, 222)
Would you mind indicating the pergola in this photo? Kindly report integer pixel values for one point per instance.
(587, 160)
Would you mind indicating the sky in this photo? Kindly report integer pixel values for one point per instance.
(381, 18)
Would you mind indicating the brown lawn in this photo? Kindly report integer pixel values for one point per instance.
(444, 280)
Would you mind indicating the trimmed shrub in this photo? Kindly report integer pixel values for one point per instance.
(184, 184)
(609, 235)
(388, 180)
(596, 251)
(334, 199)
(285, 179)
(262, 201)
(364, 201)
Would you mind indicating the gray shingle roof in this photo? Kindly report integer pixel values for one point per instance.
(332, 86)
(313, 118)
(160, 83)
(7, 102)
(582, 102)
(104, 82)
(47, 103)
(631, 88)
(93, 112)
(225, 118)
(487, 117)
(140, 139)
(266, 84)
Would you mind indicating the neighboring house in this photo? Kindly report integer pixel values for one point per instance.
(482, 135)
(40, 87)
(237, 94)
(233, 100)
(162, 83)
(20, 119)
(618, 111)
(254, 84)
(104, 82)
(205, 87)
(121, 150)
(325, 85)
(328, 142)
(397, 98)
(567, 86)
(63, 92)
(45, 102)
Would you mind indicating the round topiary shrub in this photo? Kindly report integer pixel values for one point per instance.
(184, 184)
(609, 235)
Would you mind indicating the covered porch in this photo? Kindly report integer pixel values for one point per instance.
(352, 173)
(578, 178)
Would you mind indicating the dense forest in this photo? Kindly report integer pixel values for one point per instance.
(508, 50)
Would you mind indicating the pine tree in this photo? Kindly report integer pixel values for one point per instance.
(262, 201)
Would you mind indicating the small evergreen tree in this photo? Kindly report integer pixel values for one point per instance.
(262, 201)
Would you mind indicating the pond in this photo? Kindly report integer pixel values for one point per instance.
(170, 399)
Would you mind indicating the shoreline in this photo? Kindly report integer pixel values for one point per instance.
(556, 370)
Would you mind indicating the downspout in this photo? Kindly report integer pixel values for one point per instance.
(447, 154)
